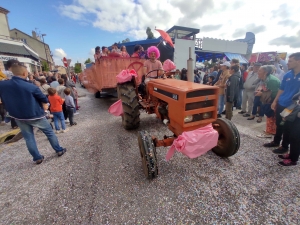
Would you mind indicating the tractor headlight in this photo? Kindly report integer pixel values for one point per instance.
(207, 115)
(188, 119)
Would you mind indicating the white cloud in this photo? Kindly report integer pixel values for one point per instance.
(58, 55)
(91, 54)
(218, 18)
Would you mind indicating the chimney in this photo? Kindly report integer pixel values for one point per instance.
(34, 34)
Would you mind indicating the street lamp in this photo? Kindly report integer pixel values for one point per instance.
(45, 49)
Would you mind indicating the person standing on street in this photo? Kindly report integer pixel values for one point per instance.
(221, 83)
(232, 89)
(9, 75)
(248, 92)
(24, 102)
(289, 132)
(244, 75)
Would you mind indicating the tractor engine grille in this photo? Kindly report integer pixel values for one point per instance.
(200, 93)
(197, 105)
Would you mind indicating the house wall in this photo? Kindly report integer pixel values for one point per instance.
(181, 54)
(35, 44)
(3, 25)
(218, 45)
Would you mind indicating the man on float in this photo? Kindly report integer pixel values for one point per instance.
(152, 64)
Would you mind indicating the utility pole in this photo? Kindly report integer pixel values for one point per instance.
(45, 50)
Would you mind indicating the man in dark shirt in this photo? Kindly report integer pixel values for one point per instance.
(25, 102)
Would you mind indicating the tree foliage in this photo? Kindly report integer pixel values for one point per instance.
(88, 61)
(126, 40)
(149, 33)
(45, 66)
(77, 68)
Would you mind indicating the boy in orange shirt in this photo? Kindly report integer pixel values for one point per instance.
(56, 103)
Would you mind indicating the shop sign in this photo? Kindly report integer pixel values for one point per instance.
(6, 58)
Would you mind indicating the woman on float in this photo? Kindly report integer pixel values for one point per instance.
(124, 53)
(152, 64)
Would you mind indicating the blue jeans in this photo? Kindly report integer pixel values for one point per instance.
(26, 127)
(221, 103)
(239, 100)
(59, 116)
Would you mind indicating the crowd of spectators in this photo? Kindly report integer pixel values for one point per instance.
(269, 90)
(22, 97)
(44, 81)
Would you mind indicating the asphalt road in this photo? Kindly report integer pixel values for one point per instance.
(100, 179)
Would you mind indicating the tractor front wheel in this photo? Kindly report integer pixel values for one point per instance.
(229, 138)
(148, 154)
(131, 113)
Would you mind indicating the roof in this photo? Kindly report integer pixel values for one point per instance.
(17, 50)
(142, 42)
(184, 31)
(29, 36)
(4, 11)
(231, 56)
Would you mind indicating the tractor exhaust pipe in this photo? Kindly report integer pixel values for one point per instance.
(190, 70)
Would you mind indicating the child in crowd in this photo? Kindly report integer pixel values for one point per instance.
(48, 115)
(56, 103)
(177, 75)
(70, 105)
(210, 80)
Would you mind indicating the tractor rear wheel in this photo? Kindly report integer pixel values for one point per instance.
(131, 113)
(229, 138)
(148, 154)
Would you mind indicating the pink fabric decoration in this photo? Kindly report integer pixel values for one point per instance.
(169, 65)
(116, 109)
(194, 143)
(126, 75)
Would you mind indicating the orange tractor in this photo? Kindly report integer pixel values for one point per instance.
(182, 106)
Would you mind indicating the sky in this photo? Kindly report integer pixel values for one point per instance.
(74, 28)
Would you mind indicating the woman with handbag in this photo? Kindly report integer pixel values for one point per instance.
(268, 91)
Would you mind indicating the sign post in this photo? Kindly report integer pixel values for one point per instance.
(67, 64)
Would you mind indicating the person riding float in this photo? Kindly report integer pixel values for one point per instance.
(152, 64)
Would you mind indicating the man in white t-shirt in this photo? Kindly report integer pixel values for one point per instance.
(152, 64)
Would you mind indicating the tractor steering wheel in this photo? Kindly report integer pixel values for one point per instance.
(161, 76)
(146, 76)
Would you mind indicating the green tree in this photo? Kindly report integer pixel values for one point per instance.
(77, 68)
(149, 33)
(45, 66)
(126, 40)
(88, 61)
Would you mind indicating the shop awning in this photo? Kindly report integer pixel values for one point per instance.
(236, 56)
(17, 50)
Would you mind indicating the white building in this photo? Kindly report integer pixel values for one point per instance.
(15, 48)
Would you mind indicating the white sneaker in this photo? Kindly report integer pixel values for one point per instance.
(57, 131)
(65, 131)
(77, 113)
(67, 121)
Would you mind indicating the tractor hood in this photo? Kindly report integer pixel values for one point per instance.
(184, 86)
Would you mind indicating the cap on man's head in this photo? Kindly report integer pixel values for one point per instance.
(257, 64)
(225, 64)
